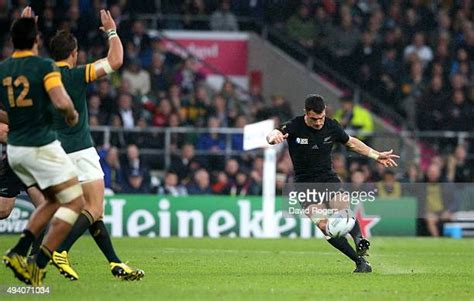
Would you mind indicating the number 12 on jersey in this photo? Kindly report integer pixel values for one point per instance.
(20, 101)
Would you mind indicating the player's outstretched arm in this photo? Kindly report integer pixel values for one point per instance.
(114, 58)
(276, 137)
(62, 102)
(386, 158)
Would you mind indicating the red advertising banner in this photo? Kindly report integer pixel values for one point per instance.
(226, 52)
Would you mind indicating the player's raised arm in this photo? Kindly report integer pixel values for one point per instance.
(114, 58)
(386, 158)
(276, 137)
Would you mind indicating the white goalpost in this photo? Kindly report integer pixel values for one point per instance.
(255, 137)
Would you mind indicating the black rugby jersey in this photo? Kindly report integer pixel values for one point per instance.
(310, 149)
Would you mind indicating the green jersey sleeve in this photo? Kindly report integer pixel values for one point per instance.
(84, 73)
(51, 74)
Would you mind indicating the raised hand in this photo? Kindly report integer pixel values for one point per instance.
(28, 13)
(387, 158)
(107, 21)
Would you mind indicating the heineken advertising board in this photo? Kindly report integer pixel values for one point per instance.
(223, 216)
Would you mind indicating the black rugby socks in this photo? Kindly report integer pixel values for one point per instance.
(23, 245)
(102, 239)
(37, 243)
(44, 256)
(343, 245)
(83, 222)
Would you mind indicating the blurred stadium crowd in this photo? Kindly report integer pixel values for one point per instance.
(411, 54)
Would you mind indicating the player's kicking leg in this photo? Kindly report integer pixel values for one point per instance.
(341, 202)
(340, 243)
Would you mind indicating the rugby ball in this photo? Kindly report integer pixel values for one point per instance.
(340, 223)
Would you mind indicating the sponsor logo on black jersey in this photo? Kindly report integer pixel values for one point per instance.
(302, 140)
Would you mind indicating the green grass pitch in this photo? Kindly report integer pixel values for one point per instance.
(253, 269)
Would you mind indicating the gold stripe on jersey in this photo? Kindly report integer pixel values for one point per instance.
(52, 80)
(22, 53)
(90, 73)
(88, 67)
(93, 76)
(63, 64)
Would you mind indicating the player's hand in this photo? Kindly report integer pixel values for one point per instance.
(28, 13)
(3, 132)
(107, 21)
(276, 137)
(387, 159)
(72, 119)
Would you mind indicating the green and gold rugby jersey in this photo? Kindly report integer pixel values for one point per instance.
(75, 81)
(25, 79)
